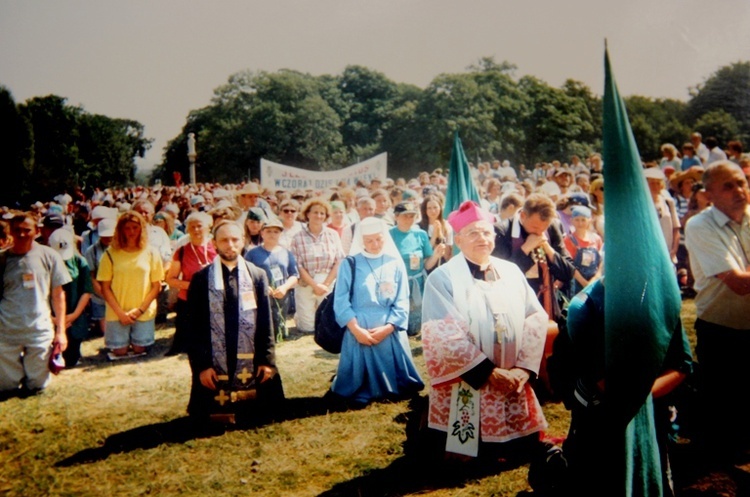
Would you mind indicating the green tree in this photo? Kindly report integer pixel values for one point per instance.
(727, 89)
(55, 133)
(719, 124)
(280, 116)
(556, 123)
(655, 122)
(369, 96)
(16, 141)
(107, 149)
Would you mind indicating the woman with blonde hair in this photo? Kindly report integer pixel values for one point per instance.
(130, 273)
(670, 157)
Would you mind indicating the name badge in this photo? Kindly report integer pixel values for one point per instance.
(386, 290)
(414, 262)
(276, 275)
(28, 281)
(587, 258)
(318, 250)
(248, 301)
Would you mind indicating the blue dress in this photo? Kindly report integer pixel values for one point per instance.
(381, 296)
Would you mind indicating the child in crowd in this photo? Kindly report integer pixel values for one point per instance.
(77, 293)
(585, 247)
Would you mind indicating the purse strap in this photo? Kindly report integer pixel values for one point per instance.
(353, 265)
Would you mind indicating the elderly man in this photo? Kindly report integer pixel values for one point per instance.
(33, 276)
(483, 332)
(718, 242)
(230, 336)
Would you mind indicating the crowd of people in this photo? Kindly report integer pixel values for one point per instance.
(485, 287)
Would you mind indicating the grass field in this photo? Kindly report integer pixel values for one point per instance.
(119, 428)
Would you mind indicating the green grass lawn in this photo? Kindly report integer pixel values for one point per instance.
(119, 429)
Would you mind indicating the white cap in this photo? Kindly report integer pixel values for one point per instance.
(107, 226)
(100, 212)
(654, 173)
(63, 241)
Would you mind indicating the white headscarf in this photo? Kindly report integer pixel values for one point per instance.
(371, 226)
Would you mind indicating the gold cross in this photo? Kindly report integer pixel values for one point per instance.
(244, 375)
(221, 398)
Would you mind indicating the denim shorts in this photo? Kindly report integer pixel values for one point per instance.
(140, 333)
(97, 310)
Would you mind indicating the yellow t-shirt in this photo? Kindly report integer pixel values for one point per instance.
(131, 274)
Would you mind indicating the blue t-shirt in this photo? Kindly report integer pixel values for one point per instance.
(414, 247)
(279, 265)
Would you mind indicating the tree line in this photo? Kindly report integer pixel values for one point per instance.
(329, 121)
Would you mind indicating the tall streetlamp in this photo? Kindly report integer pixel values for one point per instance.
(191, 156)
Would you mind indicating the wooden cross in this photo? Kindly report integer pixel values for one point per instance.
(244, 375)
(221, 398)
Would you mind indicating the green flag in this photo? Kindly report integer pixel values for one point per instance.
(642, 299)
(460, 183)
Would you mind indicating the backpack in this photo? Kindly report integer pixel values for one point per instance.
(328, 333)
(587, 254)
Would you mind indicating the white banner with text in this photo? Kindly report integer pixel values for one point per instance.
(275, 176)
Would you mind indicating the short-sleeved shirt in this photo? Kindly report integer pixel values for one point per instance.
(192, 259)
(278, 264)
(28, 281)
(285, 240)
(716, 244)
(131, 274)
(79, 270)
(317, 254)
(93, 255)
(414, 247)
(668, 219)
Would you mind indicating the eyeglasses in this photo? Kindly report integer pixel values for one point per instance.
(287, 211)
(475, 235)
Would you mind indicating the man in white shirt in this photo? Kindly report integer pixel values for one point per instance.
(718, 242)
(701, 150)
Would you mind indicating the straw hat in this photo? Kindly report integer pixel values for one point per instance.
(695, 172)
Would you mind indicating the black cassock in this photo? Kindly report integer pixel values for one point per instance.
(203, 401)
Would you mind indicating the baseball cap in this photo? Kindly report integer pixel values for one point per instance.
(62, 241)
(405, 207)
(53, 220)
(273, 223)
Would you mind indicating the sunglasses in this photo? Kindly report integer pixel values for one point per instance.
(287, 211)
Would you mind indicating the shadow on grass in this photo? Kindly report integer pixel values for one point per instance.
(421, 468)
(181, 430)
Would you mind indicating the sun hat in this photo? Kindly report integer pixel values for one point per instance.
(106, 227)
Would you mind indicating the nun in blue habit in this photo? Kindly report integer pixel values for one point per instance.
(376, 360)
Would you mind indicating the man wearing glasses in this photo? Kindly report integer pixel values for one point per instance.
(483, 332)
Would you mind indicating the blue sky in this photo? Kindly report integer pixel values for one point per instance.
(156, 60)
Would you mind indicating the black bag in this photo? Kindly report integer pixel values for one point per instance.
(328, 333)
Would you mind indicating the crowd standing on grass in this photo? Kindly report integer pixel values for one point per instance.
(537, 234)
